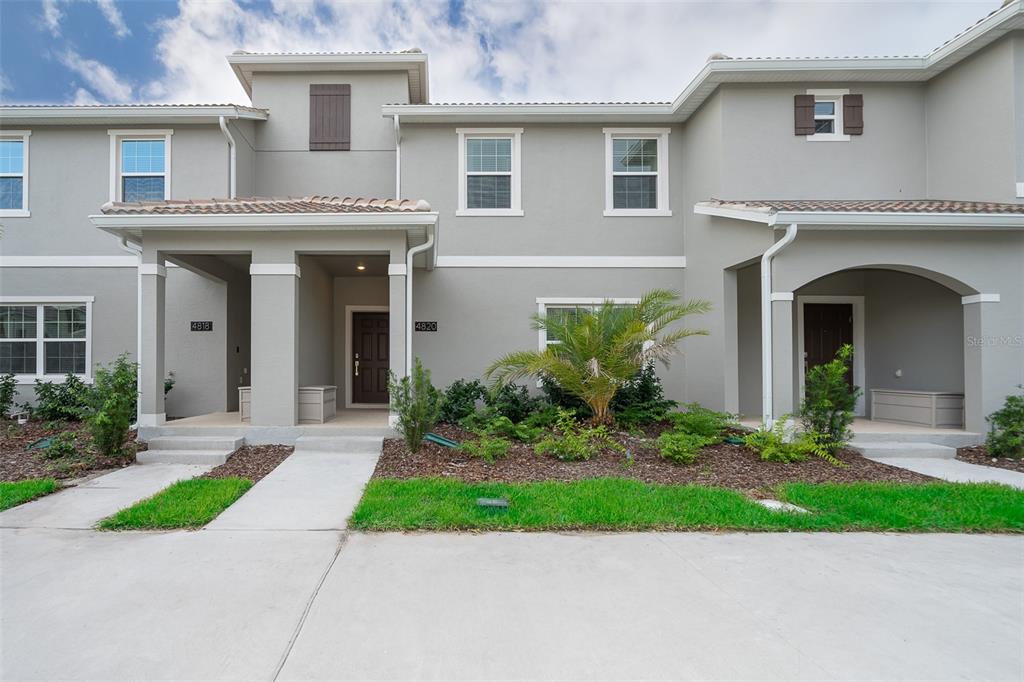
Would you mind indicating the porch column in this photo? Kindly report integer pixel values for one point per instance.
(783, 391)
(993, 356)
(153, 280)
(396, 304)
(274, 343)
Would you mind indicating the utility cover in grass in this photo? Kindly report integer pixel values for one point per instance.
(185, 504)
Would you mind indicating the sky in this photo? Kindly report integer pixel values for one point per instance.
(123, 51)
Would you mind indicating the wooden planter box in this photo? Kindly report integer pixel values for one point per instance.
(317, 404)
(934, 409)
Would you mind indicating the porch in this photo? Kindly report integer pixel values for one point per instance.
(346, 422)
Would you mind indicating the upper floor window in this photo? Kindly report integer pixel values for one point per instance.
(141, 163)
(636, 169)
(489, 171)
(45, 340)
(14, 173)
(829, 115)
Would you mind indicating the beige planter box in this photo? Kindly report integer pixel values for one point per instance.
(934, 409)
(317, 404)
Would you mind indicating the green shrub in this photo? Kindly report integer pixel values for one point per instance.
(489, 422)
(829, 401)
(8, 385)
(487, 448)
(1006, 435)
(417, 404)
(460, 400)
(571, 441)
(513, 401)
(700, 421)
(67, 401)
(61, 445)
(681, 448)
(113, 402)
(775, 445)
(641, 400)
(544, 418)
(169, 382)
(558, 398)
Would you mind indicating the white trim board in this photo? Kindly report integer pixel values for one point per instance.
(349, 309)
(980, 298)
(275, 269)
(561, 262)
(68, 261)
(859, 348)
(23, 137)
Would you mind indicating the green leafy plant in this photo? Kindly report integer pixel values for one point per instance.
(61, 446)
(169, 382)
(701, 421)
(776, 445)
(417, 404)
(61, 401)
(460, 399)
(544, 418)
(8, 385)
(488, 422)
(681, 448)
(641, 400)
(571, 441)
(113, 403)
(487, 448)
(599, 351)
(829, 401)
(512, 401)
(1006, 432)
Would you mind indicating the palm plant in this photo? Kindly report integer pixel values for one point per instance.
(595, 352)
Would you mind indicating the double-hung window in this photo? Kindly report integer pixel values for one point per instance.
(141, 165)
(562, 308)
(14, 173)
(45, 340)
(489, 171)
(636, 170)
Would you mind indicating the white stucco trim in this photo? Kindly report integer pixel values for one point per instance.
(349, 309)
(68, 261)
(396, 269)
(275, 269)
(516, 174)
(859, 347)
(44, 300)
(980, 298)
(834, 95)
(664, 206)
(782, 296)
(1020, 190)
(153, 419)
(22, 136)
(153, 269)
(672, 262)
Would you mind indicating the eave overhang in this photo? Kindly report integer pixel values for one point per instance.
(126, 115)
(864, 220)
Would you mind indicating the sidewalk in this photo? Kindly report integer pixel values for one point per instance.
(956, 471)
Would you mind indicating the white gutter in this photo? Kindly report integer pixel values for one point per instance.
(137, 251)
(231, 145)
(410, 254)
(767, 405)
(398, 158)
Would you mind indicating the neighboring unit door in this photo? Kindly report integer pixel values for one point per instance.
(370, 343)
(827, 326)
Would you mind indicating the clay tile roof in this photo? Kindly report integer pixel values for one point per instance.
(265, 205)
(937, 206)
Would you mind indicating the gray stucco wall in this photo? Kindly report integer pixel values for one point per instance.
(353, 291)
(316, 324)
(196, 358)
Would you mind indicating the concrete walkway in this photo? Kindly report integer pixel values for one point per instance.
(956, 471)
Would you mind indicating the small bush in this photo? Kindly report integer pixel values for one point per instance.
(460, 400)
(67, 401)
(513, 401)
(574, 442)
(775, 445)
(61, 446)
(113, 403)
(417, 404)
(1006, 435)
(700, 421)
(641, 401)
(560, 399)
(8, 385)
(487, 448)
(829, 401)
(681, 448)
(488, 422)
(543, 418)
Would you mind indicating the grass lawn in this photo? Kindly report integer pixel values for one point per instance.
(19, 492)
(620, 504)
(186, 504)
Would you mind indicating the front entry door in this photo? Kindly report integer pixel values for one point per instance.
(370, 344)
(827, 326)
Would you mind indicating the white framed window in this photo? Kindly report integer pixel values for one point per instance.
(570, 306)
(46, 338)
(636, 172)
(828, 116)
(140, 165)
(490, 172)
(14, 173)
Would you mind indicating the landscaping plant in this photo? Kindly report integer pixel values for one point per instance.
(512, 401)
(56, 401)
(113, 405)
(487, 422)
(487, 448)
(701, 421)
(417, 404)
(776, 445)
(571, 441)
(61, 445)
(8, 384)
(681, 448)
(460, 400)
(641, 400)
(1006, 434)
(600, 351)
(829, 401)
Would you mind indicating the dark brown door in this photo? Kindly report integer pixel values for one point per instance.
(827, 326)
(370, 343)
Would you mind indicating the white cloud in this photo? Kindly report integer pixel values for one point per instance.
(52, 15)
(83, 96)
(101, 79)
(114, 18)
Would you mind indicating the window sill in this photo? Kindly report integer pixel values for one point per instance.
(480, 212)
(637, 213)
(828, 138)
(14, 213)
(30, 379)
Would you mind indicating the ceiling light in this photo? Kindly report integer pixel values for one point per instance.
(360, 267)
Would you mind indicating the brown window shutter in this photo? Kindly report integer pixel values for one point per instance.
(853, 114)
(803, 114)
(330, 117)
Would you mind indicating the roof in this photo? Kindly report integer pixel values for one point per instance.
(859, 213)
(30, 114)
(266, 206)
(412, 61)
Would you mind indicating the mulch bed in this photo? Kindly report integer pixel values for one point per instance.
(727, 466)
(17, 462)
(978, 454)
(251, 461)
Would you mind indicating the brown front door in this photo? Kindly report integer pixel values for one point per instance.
(370, 343)
(827, 326)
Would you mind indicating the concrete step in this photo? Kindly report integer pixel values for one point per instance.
(902, 450)
(231, 443)
(202, 456)
(949, 438)
(340, 444)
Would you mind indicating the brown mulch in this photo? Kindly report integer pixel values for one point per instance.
(251, 461)
(18, 462)
(727, 466)
(978, 454)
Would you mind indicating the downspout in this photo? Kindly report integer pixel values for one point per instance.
(767, 404)
(410, 254)
(231, 146)
(137, 251)
(398, 158)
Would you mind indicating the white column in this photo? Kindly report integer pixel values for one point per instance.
(993, 356)
(153, 276)
(397, 317)
(783, 390)
(275, 331)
